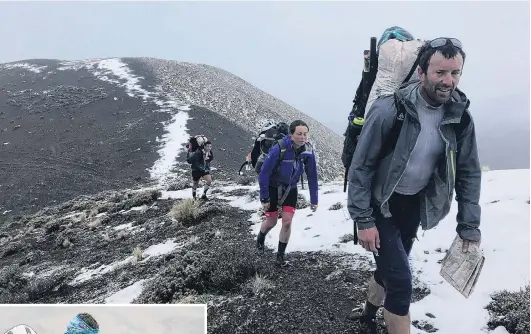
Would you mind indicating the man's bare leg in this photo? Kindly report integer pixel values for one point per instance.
(208, 182)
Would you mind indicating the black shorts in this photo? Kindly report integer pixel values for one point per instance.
(291, 199)
(197, 174)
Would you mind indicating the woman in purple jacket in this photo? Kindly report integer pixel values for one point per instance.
(278, 178)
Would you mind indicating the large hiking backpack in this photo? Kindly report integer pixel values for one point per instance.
(265, 141)
(387, 65)
(196, 142)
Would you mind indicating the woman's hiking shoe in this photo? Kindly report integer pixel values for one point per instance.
(367, 322)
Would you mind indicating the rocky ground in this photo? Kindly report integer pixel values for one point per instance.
(66, 133)
(46, 258)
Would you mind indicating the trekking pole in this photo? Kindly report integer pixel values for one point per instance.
(345, 180)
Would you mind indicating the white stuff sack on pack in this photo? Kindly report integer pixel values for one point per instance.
(395, 60)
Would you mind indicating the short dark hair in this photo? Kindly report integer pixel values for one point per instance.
(208, 142)
(89, 320)
(295, 124)
(448, 51)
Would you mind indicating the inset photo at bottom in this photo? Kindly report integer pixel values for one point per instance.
(103, 319)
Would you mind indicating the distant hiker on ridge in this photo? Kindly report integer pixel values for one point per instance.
(392, 192)
(282, 168)
(199, 157)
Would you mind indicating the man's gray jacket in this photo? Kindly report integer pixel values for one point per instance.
(372, 180)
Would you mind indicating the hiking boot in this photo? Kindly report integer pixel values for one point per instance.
(366, 322)
(281, 261)
(204, 197)
(367, 325)
(260, 247)
(365, 316)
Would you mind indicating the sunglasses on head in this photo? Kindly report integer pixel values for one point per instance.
(441, 41)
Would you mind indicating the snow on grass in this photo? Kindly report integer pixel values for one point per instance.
(160, 249)
(141, 209)
(88, 274)
(176, 194)
(30, 67)
(505, 230)
(152, 251)
(123, 227)
(126, 295)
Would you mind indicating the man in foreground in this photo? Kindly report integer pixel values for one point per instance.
(392, 191)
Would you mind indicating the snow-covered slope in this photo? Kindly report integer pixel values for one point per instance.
(243, 103)
(175, 85)
(75, 127)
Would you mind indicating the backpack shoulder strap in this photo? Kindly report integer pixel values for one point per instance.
(282, 145)
(413, 68)
(391, 139)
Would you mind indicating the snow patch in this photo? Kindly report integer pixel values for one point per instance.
(173, 143)
(88, 274)
(30, 67)
(127, 80)
(161, 249)
(126, 295)
(123, 227)
(500, 330)
(141, 209)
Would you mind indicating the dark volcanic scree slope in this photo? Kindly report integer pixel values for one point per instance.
(71, 128)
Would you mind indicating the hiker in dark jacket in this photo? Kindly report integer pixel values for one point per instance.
(200, 163)
(390, 196)
(278, 184)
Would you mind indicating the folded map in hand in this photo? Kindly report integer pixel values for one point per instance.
(460, 269)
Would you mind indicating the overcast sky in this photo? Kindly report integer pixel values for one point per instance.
(308, 54)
